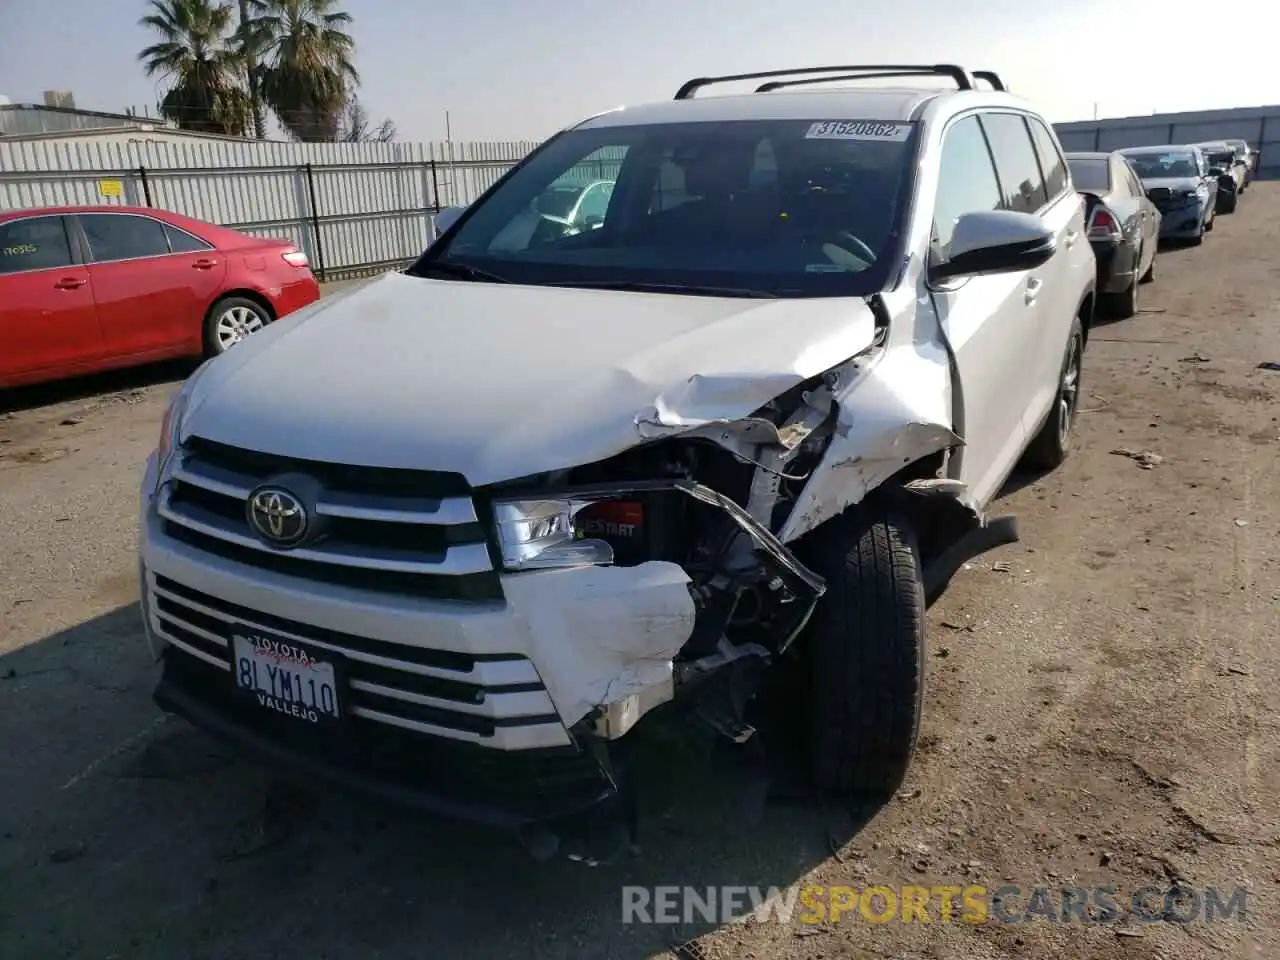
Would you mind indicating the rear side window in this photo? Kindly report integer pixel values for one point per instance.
(39, 243)
(1130, 178)
(121, 236)
(182, 242)
(1052, 164)
(966, 180)
(1020, 179)
(1092, 175)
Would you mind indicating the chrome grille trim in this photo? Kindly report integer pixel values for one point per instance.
(447, 511)
(395, 531)
(492, 673)
(457, 559)
(510, 693)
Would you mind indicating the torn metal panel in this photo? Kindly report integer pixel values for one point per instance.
(535, 379)
(893, 407)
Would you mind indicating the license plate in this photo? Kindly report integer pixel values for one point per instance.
(286, 678)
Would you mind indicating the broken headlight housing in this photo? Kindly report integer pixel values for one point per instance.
(537, 534)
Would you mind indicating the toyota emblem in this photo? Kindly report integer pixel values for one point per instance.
(277, 516)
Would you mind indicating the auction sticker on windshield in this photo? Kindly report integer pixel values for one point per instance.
(858, 130)
(283, 677)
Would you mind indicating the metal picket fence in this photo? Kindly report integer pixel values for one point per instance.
(354, 209)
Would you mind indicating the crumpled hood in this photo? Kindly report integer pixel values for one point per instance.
(1175, 184)
(500, 381)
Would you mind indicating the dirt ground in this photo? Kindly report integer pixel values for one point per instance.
(1102, 710)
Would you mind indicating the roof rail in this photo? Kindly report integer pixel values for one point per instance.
(961, 76)
(991, 77)
(782, 84)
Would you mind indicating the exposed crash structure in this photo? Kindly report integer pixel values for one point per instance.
(643, 461)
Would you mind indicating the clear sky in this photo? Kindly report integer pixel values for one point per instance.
(521, 69)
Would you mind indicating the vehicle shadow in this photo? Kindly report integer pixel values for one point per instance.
(124, 832)
(93, 385)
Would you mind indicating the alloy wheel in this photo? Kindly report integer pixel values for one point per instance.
(1069, 392)
(235, 324)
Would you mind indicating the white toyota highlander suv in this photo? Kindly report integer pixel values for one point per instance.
(448, 536)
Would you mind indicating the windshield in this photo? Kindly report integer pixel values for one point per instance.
(1093, 175)
(779, 207)
(1160, 166)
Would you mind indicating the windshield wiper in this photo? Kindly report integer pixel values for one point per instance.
(463, 271)
(692, 289)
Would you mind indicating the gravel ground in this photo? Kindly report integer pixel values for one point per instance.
(1102, 709)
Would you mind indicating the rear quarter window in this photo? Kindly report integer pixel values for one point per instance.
(1093, 175)
(182, 242)
(1021, 182)
(1052, 163)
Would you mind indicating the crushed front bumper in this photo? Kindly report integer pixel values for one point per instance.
(1182, 221)
(485, 710)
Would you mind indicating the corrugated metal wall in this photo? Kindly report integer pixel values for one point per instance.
(1258, 125)
(373, 202)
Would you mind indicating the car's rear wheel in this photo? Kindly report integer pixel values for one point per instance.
(1150, 274)
(230, 321)
(1123, 305)
(1049, 448)
(866, 655)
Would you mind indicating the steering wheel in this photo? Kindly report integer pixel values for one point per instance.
(847, 241)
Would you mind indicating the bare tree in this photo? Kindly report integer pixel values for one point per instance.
(354, 126)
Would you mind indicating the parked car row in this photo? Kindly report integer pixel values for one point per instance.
(85, 289)
(1137, 197)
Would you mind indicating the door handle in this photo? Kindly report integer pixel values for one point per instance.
(70, 283)
(204, 264)
(1033, 289)
(1072, 236)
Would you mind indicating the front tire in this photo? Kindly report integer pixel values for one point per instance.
(1050, 447)
(230, 321)
(866, 653)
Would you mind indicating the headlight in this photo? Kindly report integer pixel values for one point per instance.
(537, 534)
(171, 429)
(171, 426)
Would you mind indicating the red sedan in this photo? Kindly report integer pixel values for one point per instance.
(84, 289)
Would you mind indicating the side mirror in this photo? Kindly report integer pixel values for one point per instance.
(995, 241)
(445, 219)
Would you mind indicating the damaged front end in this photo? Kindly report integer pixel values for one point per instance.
(729, 504)
(707, 502)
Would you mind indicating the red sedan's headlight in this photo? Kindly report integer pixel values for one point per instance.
(295, 258)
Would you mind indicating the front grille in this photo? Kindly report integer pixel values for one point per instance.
(399, 531)
(490, 700)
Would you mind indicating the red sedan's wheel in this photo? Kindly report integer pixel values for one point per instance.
(230, 320)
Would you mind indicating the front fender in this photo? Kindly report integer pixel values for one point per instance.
(892, 409)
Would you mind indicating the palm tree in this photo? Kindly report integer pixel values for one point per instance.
(194, 54)
(247, 42)
(307, 74)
